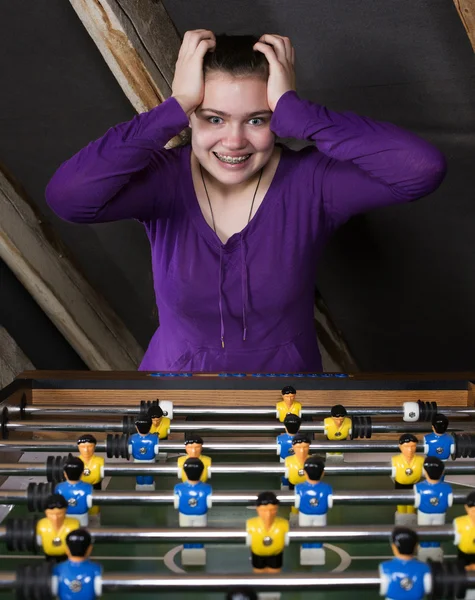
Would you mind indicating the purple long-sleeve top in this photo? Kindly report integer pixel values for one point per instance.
(256, 291)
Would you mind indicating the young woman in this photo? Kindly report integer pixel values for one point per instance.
(237, 223)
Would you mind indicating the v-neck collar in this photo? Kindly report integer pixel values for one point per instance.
(199, 220)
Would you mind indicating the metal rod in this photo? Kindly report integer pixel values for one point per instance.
(233, 427)
(346, 533)
(460, 467)
(315, 411)
(211, 446)
(282, 582)
(351, 497)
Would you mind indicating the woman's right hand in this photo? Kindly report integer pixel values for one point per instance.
(188, 82)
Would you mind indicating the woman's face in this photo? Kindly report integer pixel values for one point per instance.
(231, 135)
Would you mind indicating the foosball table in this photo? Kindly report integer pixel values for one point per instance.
(138, 537)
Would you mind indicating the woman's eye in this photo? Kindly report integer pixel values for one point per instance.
(256, 121)
(215, 120)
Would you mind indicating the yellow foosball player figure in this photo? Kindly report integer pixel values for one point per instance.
(193, 448)
(160, 423)
(267, 535)
(337, 427)
(464, 530)
(51, 531)
(93, 467)
(288, 404)
(407, 470)
(294, 464)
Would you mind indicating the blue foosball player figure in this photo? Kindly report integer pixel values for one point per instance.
(288, 404)
(78, 493)
(143, 447)
(433, 497)
(439, 443)
(192, 499)
(313, 499)
(404, 577)
(284, 442)
(78, 578)
(51, 531)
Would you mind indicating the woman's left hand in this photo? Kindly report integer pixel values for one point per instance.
(280, 55)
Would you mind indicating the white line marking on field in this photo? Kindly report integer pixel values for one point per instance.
(345, 558)
(169, 560)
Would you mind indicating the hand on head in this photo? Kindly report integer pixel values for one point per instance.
(280, 55)
(188, 82)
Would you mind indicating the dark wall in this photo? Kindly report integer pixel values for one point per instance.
(399, 281)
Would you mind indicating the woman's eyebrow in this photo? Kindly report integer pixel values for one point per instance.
(264, 111)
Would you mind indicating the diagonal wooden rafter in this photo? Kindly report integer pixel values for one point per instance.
(12, 359)
(140, 44)
(466, 11)
(42, 264)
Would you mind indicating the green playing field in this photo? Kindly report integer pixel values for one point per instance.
(152, 558)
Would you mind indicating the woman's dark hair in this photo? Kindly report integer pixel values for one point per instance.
(234, 54)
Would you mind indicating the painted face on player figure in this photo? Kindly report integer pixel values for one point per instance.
(232, 124)
(408, 450)
(156, 421)
(86, 450)
(301, 451)
(338, 421)
(193, 450)
(56, 516)
(288, 399)
(268, 513)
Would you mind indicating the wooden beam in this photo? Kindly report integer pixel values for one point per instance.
(140, 44)
(336, 355)
(42, 264)
(466, 11)
(138, 41)
(12, 359)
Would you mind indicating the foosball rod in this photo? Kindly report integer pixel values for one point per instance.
(133, 469)
(180, 535)
(46, 410)
(197, 426)
(111, 582)
(166, 446)
(113, 498)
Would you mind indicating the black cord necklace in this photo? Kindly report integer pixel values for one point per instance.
(209, 201)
